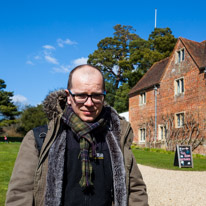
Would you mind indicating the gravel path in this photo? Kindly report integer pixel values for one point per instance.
(174, 188)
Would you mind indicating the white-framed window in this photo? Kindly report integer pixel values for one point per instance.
(179, 86)
(162, 132)
(142, 135)
(179, 119)
(180, 55)
(142, 98)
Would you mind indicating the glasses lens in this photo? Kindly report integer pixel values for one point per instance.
(97, 98)
(80, 98)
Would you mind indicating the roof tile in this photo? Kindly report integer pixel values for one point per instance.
(152, 77)
(197, 50)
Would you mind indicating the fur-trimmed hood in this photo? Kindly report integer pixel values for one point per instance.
(55, 103)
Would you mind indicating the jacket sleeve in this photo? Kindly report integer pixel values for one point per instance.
(137, 188)
(137, 193)
(20, 189)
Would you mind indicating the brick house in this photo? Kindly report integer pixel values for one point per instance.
(167, 106)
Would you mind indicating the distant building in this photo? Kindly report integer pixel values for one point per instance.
(125, 115)
(167, 106)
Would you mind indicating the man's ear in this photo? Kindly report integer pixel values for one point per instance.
(68, 97)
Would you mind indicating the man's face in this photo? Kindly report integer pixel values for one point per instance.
(86, 83)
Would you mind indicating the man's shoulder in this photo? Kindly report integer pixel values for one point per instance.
(123, 122)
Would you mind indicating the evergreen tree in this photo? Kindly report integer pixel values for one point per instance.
(125, 58)
(112, 55)
(121, 103)
(8, 111)
(144, 53)
(112, 58)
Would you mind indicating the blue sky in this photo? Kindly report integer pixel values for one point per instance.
(41, 41)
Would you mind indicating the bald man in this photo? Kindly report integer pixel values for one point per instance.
(85, 158)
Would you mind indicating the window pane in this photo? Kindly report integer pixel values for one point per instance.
(183, 54)
(182, 83)
(182, 122)
(142, 98)
(178, 120)
(178, 56)
(143, 134)
(178, 86)
(161, 133)
(165, 132)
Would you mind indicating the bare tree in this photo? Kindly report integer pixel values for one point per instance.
(149, 127)
(189, 134)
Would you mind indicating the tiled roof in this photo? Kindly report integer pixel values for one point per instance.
(154, 74)
(152, 77)
(196, 50)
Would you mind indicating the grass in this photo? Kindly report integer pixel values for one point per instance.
(8, 153)
(151, 157)
(159, 158)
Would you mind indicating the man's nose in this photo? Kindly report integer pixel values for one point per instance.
(89, 102)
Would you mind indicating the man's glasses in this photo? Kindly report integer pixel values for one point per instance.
(82, 98)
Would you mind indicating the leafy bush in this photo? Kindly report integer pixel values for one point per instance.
(32, 117)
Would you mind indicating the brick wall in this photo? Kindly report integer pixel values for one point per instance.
(193, 100)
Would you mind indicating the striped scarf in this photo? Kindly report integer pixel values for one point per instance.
(87, 145)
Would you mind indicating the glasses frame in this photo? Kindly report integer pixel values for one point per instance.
(88, 95)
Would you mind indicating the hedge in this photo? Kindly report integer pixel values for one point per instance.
(12, 139)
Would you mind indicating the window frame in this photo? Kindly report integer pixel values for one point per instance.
(180, 55)
(179, 119)
(162, 134)
(141, 138)
(142, 98)
(179, 86)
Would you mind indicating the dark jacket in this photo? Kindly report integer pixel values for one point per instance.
(28, 180)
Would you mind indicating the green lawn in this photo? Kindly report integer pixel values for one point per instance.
(155, 158)
(163, 159)
(8, 153)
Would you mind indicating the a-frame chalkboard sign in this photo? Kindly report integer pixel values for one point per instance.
(183, 156)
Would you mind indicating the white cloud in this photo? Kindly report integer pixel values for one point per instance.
(37, 57)
(51, 60)
(62, 69)
(69, 42)
(49, 47)
(67, 69)
(19, 98)
(29, 62)
(62, 42)
(79, 61)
